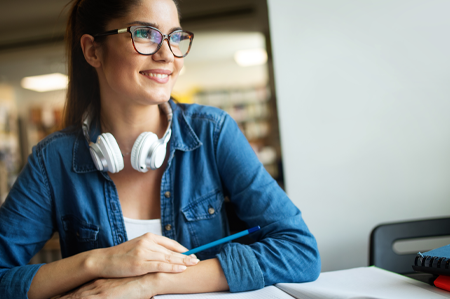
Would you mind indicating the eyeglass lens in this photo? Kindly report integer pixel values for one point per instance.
(147, 41)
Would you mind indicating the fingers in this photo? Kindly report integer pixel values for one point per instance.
(154, 253)
(148, 249)
(168, 243)
(167, 246)
(163, 267)
(174, 258)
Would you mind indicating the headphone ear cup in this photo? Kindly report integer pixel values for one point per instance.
(111, 152)
(96, 155)
(141, 149)
(158, 155)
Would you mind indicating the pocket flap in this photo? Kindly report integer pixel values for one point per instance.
(84, 232)
(205, 207)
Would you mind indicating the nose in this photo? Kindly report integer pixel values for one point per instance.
(164, 53)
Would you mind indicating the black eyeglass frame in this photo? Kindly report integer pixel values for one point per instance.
(165, 36)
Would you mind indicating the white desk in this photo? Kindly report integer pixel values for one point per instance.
(365, 282)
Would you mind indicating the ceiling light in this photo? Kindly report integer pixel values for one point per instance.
(250, 57)
(43, 83)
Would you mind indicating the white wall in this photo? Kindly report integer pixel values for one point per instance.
(363, 97)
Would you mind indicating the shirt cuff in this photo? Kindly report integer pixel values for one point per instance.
(15, 283)
(241, 268)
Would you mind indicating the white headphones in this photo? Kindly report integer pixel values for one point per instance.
(148, 151)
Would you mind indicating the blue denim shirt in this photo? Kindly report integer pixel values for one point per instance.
(60, 190)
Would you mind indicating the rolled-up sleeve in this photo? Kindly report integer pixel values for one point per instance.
(16, 282)
(241, 268)
(285, 250)
(25, 225)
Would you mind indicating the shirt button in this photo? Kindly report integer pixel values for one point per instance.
(168, 227)
(120, 238)
(167, 194)
(211, 211)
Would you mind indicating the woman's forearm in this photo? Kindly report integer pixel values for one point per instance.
(61, 276)
(206, 276)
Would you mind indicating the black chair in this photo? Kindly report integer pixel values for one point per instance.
(383, 237)
(236, 225)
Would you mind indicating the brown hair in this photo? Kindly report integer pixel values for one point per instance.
(87, 17)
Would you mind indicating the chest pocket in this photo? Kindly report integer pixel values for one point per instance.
(205, 221)
(79, 235)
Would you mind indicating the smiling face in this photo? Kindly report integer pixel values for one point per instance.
(127, 75)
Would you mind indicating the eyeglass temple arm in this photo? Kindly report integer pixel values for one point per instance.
(111, 32)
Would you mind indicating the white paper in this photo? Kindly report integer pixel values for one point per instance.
(269, 292)
(367, 283)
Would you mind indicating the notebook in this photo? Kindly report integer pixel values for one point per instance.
(436, 261)
(365, 282)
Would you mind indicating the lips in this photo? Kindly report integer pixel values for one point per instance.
(158, 75)
(155, 75)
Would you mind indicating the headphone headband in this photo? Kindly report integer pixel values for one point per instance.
(165, 107)
(148, 151)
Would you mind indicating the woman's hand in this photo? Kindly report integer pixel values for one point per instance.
(117, 288)
(145, 254)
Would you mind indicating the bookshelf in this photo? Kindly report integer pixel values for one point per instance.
(252, 109)
(9, 141)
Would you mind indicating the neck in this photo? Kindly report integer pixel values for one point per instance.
(126, 123)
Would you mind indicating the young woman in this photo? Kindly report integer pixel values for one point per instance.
(136, 179)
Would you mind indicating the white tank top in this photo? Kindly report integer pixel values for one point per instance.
(137, 227)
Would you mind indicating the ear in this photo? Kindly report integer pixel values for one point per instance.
(90, 50)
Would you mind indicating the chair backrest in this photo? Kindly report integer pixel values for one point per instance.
(236, 224)
(383, 237)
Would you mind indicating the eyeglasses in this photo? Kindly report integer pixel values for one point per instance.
(148, 40)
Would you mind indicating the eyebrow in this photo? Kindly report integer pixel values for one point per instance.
(152, 25)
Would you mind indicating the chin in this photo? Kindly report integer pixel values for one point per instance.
(161, 95)
(152, 99)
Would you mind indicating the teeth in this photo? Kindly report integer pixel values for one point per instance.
(159, 76)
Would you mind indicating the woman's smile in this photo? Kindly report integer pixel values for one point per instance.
(158, 75)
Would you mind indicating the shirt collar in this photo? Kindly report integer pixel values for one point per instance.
(183, 138)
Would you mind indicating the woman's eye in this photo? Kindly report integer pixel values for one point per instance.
(148, 35)
(141, 34)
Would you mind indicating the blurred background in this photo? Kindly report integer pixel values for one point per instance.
(227, 67)
(346, 103)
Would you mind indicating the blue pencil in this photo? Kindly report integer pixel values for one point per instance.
(223, 240)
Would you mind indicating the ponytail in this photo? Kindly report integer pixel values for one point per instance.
(83, 92)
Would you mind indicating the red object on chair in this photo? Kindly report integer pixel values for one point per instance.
(443, 282)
